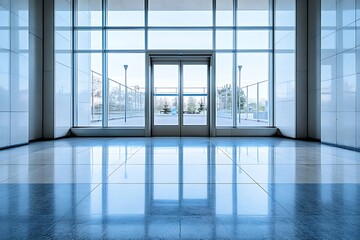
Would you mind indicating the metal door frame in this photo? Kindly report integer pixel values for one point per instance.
(180, 129)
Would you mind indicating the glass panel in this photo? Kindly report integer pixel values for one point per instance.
(180, 13)
(285, 39)
(253, 13)
(180, 39)
(126, 89)
(263, 111)
(125, 13)
(224, 13)
(89, 40)
(224, 39)
(89, 89)
(4, 28)
(285, 13)
(253, 39)
(224, 76)
(89, 13)
(126, 39)
(166, 94)
(253, 80)
(195, 90)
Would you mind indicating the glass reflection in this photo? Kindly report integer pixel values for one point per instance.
(135, 188)
(178, 177)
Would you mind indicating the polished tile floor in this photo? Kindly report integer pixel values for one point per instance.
(179, 188)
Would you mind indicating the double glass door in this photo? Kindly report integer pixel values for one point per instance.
(180, 97)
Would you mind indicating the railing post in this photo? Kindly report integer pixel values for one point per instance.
(125, 67)
(257, 102)
(226, 102)
(92, 95)
(239, 98)
(120, 101)
(247, 102)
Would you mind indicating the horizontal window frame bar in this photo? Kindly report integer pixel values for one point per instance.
(179, 28)
(182, 51)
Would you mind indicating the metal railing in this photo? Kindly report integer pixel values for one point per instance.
(257, 109)
(116, 95)
(252, 103)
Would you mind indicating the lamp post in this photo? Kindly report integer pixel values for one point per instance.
(126, 67)
(240, 67)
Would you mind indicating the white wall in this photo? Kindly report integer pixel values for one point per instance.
(14, 72)
(36, 69)
(285, 67)
(340, 69)
(314, 76)
(57, 68)
(297, 64)
(83, 71)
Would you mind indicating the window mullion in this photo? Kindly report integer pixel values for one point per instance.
(105, 104)
(234, 95)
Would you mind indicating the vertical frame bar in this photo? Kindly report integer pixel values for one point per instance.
(149, 85)
(257, 102)
(212, 96)
(74, 67)
(271, 84)
(181, 95)
(234, 84)
(104, 68)
(212, 111)
(148, 78)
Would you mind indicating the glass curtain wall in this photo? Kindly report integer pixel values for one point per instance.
(112, 38)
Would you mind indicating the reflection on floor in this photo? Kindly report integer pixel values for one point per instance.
(172, 188)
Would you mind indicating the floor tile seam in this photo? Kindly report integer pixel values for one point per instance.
(187, 183)
(189, 164)
(312, 182)
(257, 183)
(226, 154)
(83, 150)
(274, 165)
(328, 155)
(238, 165)
(267, 193)
(129, 164)
(63, 164)
(302, 164)
(43, 166)
(109, 175)
(9, 179)
(152, 183)
(63, 217)
(174, 164)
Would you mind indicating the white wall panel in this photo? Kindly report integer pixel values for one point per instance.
(4, 129)
(340, 94)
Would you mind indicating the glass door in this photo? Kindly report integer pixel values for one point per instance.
(180, 96)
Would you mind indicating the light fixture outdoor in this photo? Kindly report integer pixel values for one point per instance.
(240, 67)
(126, 67)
